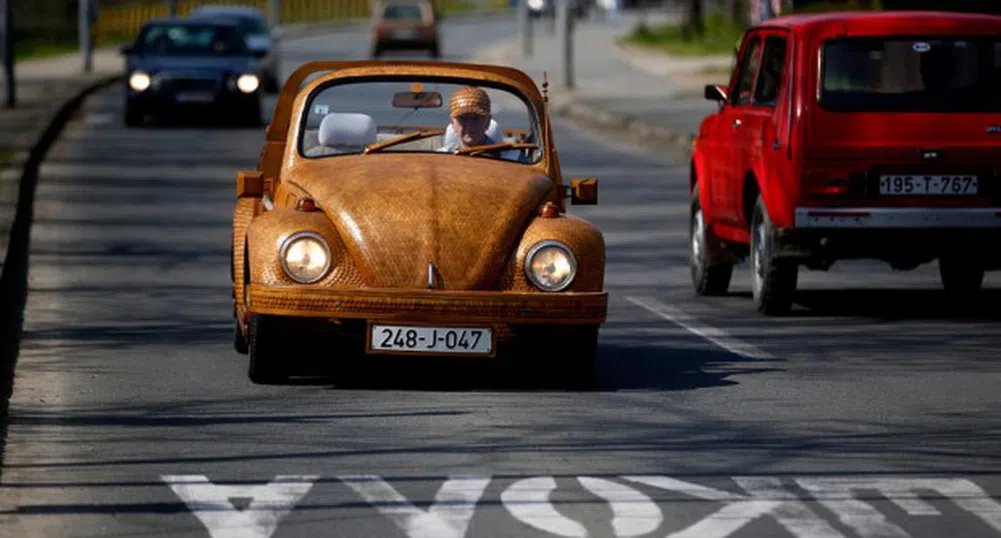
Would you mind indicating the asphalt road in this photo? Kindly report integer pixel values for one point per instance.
(869, 413)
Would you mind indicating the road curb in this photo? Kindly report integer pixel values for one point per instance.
(603, 119)
(14, 277)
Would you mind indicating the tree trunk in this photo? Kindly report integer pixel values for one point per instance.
(694, 24)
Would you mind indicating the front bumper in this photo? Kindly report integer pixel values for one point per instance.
(892, 233)
(438, 306)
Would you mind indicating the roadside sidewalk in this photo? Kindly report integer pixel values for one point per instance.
(43, 87)
(656, 98)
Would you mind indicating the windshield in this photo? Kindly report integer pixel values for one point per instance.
(191, 39)
(420, 115)
(402, 12)
(911, 75)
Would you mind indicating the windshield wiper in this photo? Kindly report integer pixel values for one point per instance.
(416, 135)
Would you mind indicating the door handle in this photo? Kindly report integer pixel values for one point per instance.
(775, 145)
(736, 123)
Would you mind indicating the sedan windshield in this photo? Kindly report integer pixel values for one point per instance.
(420, 116)
(191, 39)
(911, 75)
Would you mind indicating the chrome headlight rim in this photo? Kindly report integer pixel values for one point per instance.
(140, 74)
(290, 240)
(536, 248)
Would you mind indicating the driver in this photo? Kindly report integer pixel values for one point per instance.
(470, 118)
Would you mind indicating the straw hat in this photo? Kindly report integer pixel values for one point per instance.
(470, 100)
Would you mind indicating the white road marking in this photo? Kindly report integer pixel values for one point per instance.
(99, 118)
(634, 514)
(213, 506)
(766, 497)
(837, 495)
(717, 336)
(448, 517)
(528, 501)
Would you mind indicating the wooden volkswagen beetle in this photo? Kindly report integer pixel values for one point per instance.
(381, 221)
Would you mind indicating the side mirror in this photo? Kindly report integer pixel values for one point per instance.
(716, 92)
(124, 50)
(250, 184)
(584, 191)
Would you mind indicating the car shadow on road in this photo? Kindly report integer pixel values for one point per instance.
(622, 366)
(892, 304)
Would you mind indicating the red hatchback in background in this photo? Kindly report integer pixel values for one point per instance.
(852, 135)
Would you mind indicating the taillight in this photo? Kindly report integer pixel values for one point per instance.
(833, 182)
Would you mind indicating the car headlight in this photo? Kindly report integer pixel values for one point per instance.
(305, 257)
(535, 4)
(248, 83)
(551, 266)
(140, 81)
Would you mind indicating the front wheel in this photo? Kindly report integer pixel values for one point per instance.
(773, 280)
(708, 277)
(267, 365)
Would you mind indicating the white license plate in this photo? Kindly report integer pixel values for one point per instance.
(405, 33)
(431, 340)
(195, 97)
(931, 185)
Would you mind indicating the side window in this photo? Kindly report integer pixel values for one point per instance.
(747, 70)
(772, 74)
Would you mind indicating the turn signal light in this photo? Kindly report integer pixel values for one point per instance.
(305, 204)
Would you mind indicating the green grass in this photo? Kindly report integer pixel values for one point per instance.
(6, 156)
(30, 50)
(715, 70)
(718, 39)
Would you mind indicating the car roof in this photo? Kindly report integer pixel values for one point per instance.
(901, 21)
(228, 10)
(184, 21)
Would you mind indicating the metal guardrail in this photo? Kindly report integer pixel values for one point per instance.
(116, 22)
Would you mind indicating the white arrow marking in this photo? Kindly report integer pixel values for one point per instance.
(767, 498)
(634, 513)
(837, 494)
(528, 501)
(211, 503)
(448, 517)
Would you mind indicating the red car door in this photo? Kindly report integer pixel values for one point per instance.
(734, 152)
(760, 134)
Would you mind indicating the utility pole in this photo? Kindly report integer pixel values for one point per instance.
(565, 16)
(525, 25)
(172, 8)
(7, 27)
(86, 48)
(274, 14)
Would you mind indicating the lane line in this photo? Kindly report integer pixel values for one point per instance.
(715, 335)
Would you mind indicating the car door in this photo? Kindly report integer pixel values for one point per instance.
(730, 175)
(761, 129)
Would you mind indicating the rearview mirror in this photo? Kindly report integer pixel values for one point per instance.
(584, 191)
(250, 184)
(716, 92)
(417, 100)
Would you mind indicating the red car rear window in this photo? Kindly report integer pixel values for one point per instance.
(911, 75)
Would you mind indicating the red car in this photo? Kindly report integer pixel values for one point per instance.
(852, 135)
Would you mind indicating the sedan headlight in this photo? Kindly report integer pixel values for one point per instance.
(305, 257)
(140, 81)
(551, 266)
(248, 83)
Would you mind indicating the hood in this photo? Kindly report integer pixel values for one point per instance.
(218, 64)
(397, 213)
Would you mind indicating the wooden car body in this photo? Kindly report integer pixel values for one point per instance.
(426, 239)
(404, 25)
(850, 122)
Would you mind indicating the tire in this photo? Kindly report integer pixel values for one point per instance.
(962, 276)
(134, 116)
(559, 356)
(267, 365)
(708, 278)
(240, 340)
(773, 280)
(582, 371)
